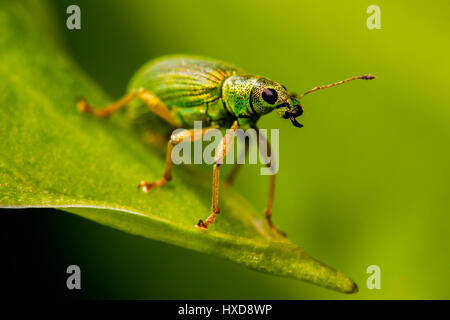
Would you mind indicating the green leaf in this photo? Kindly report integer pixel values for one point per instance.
(53, 156)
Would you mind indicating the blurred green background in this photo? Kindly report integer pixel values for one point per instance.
(365, 182)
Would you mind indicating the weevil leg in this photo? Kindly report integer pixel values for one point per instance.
(167, 175)
(83, 106)
(153, 103)
(223, 148)
(268, 210)
(174, 140)
(157, 107)
(237, 166)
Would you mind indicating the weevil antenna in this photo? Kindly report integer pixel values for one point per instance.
(364, 77)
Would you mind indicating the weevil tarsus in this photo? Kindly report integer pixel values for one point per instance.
(167, 175)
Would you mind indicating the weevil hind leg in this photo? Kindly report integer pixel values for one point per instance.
(83, 106)
(153, 103)
(222, 150)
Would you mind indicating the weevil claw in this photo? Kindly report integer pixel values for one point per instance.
(275, 229)
(201, 225)
(146, 186)
(83, 106)
(281, 233)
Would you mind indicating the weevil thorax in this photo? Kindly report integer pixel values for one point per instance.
(253, 96)
(236, 94)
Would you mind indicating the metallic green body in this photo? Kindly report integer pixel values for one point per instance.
(208, 90)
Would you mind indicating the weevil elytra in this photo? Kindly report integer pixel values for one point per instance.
(184, 89)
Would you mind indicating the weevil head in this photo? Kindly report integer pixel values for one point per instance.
(268, 96)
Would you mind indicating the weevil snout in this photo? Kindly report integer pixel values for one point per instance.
(297, 111)
(292, 112)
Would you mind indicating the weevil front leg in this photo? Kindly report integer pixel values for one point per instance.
(175, 139)
(268, 210)
(223, 148)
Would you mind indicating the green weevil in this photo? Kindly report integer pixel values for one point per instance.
(182, 89)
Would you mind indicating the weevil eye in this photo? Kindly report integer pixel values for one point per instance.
(270, 96)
